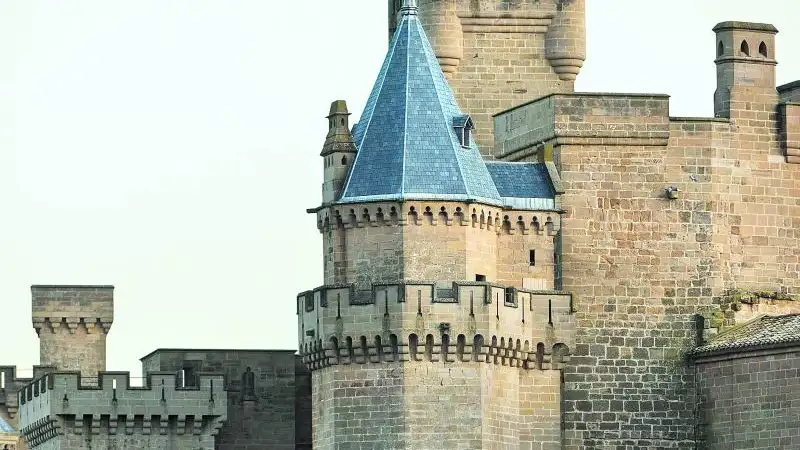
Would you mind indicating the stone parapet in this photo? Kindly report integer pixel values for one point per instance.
(437, 322)
(58, 406)
(582, 119)
(90, 307)
(436, 213)
(10, 385)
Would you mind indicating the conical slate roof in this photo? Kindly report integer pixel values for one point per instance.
(407, 145)
(5, 427)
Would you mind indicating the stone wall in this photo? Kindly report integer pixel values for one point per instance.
(420, 365)
(498, 54)
(419, 404)
(641, 264)
(387, 243)
(749, 400)
(272, 417)
(58, 411)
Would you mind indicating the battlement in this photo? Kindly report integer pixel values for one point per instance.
(59, 404)
(10, 384)
(492, 219)
(437, 321)
(88, 307)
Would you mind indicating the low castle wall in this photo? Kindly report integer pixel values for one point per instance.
(59, 411)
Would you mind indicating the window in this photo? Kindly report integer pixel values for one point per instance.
(532, 257)
(479, 277)
(745, 49)
(762, 49)
(463, 126)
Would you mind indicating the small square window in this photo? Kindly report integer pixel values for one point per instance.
(479, 277)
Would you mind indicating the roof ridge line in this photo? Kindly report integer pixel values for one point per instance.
(388, 61)
(448, 120)
(406, 18)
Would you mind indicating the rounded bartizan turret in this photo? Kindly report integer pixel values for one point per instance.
(443, 27)
(338, 151)
(565, 42)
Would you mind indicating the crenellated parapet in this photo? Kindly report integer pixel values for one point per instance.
(435, 322)
(60, 406)
(90, 308)
(10, 385)
(492, 219)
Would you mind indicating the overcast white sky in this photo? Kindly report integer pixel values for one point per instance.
(170, 148)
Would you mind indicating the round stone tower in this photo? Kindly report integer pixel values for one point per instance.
(565, 43)
(438, 325)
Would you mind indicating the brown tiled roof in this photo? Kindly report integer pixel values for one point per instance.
(759, 332)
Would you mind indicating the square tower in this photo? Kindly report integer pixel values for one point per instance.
(745, 66)
(72, 323)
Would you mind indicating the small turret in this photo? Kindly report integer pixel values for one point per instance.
(565, 43)
(443, 26)
(338, 151)
(72, 323)
(745, 65)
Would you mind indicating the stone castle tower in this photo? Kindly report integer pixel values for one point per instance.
(439, 325)
(72, 402)
(498, 54)
(511, 264)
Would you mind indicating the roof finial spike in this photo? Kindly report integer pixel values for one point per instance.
(409, 8)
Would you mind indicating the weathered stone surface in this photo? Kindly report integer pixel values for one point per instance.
(278, 413)
(59, 411)
(750, 399)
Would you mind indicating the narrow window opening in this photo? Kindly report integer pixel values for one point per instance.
(532, 257)
(720, 49)
(395, 347)
(461, 342)
(113, 384)
(344, 160)
(762, 49)
(413, 344)
(429, 347)
(477, 346)
(479, 277)
(463, 125)
(189, 377)
(745, 49)
(539, 355)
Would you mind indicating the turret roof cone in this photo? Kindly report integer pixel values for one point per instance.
(408, 148)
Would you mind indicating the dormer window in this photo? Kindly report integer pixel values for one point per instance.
(463, 126)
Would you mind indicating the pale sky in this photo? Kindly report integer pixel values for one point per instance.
(170, 148)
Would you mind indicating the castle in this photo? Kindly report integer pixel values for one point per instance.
(507, 264)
